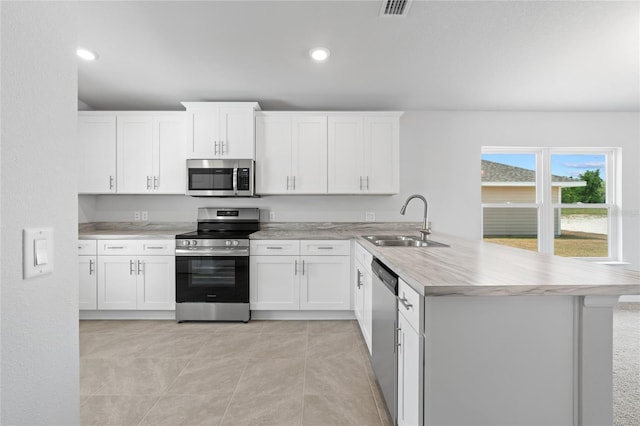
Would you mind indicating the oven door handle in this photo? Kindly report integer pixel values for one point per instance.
(213, 252)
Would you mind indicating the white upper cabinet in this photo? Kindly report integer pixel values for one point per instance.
(364, 153)
(97, 153)
(131, 153)
(221, 129)
(291, 153)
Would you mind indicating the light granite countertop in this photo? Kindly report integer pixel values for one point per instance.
(465, 268)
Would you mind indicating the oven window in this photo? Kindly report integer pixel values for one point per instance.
(211, 179)
(216, 273)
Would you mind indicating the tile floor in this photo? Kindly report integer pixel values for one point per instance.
(260, 373)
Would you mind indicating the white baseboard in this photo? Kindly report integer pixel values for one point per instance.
(128, 315)
(302, 315)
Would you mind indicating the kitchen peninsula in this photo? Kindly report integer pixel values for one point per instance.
(507, 336)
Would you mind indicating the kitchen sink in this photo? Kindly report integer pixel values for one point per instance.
(401, 241)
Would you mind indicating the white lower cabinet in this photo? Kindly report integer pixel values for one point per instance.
(410, 357)
(299, 282)
(363, 300)
(129, 279)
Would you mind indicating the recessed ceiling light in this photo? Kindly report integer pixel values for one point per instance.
(319, 54)
(86, 54)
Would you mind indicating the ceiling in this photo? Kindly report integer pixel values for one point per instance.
(445, 55)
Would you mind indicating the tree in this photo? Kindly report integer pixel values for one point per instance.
(593, 192)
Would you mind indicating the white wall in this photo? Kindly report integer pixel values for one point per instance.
(440, 158)
(39, 317)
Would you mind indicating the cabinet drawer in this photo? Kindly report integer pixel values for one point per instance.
(275, 247)
(409, 304)
(117, 247)
(324, 247)
(157, 247)
(362, 255)
(87, 247)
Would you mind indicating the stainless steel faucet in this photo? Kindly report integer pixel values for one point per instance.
(426, 226)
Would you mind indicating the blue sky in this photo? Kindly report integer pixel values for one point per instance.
(561, 164)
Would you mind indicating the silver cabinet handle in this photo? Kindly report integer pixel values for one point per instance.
(110, 182)
(215, 147)
(130, 267)
(92, 268)
(154, 247)
(359, 276)
(287, 183)
(325, 248)
(405, 303)
(156, 182)
(140, 267)
(114, 247)
(367, 183)
(360, 183)
(295, 267)
(274, 248)
(148, 182)
(222, 147)
(303, 267)
(294, 183)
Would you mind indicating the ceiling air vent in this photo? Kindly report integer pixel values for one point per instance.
(395, 7)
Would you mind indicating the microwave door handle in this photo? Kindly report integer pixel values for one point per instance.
(235, 180)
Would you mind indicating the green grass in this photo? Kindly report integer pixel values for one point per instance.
(587, 211)
(569, 244)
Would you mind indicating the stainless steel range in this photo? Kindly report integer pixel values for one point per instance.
(212, 266)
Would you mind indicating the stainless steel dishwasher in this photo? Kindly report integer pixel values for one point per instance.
(383, 336)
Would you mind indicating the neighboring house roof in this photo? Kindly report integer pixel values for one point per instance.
(497, 174)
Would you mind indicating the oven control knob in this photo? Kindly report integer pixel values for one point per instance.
(228, 242)
(194, 242)
(235, 242)
(186, 242)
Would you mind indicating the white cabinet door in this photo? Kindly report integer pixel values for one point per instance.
(346, 155)
(135, 153)
(274, 282)
(88, 284)
(96, 153)
(409, 372)
(203, 138)
(117, 282)
(309, 155)
(381, 155)
(273, 154)
(325, 283)
(169, 165)
(237, 137)
(156, 282)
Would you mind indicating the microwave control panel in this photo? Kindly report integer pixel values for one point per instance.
(243, 179)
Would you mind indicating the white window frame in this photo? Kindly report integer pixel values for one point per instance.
(545, 207)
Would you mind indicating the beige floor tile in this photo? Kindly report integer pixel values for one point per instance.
(336, 376)
(285, 327)
(263, 410)
(252, 327)
(115, 410)
(316, 327)
(324, 410)
(293, 345)
(209, 376)
(97, 326)
(233, 345)
(380, 404)
(174, 345)
(93, 374)
(334, 345)
(114, 345)
(141, 376)
(283, 377)
(191, 410)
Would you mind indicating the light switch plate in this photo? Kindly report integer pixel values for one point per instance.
(37, 252)
(272, 216)
(370, 216)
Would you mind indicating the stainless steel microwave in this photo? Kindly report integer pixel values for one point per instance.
(220, 178)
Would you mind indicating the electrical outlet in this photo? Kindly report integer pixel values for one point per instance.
(136, 216)
(370, 217)
(272, 216)
(144, 215)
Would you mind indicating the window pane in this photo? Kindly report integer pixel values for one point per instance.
(515, 227)
(581, 232)
(578, 178)
(508, 178)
